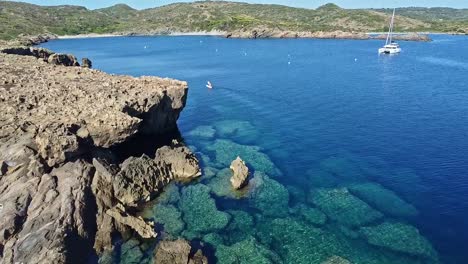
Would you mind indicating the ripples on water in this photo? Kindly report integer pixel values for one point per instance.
(355, 155)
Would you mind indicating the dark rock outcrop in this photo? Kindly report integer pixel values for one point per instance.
(86, 63)
(63, 59)
(177, 252)
(240, 173)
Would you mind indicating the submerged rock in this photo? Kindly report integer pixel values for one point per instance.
(293, 241)
(269, 196)
(226, 151)
(204, 132)
(310, 214)
(220, 185)
(199, 210)
(343, 168)
(237, 130)
(343, 207)
(240, 173)
(399, 237)
(383, 199)
(246, 252)
(131, 253)
(336, 260)
(170, 217)
(240, 227)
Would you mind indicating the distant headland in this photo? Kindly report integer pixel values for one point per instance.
(230, 19)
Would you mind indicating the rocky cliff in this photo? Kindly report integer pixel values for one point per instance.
(64, 193)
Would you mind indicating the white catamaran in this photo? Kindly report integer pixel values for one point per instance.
(390, 47)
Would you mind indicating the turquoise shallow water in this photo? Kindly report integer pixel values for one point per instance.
(355, 155)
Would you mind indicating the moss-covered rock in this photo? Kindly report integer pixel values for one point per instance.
(130, 253)
(209, 172)
(318, 178)
(221, 186)
(343, 207)
(240, 226)
(268, 196)
(213, 239)
(383, 199)
(310, 214)
(343, 168)
(237, 130)
(206, 132)
(293, 241)
(170, 195)
(199, 210)
(248, 251)
(170, 217)
(399, 237)
(226, 151)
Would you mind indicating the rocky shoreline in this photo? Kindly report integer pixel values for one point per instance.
(267, 33)
(65, 194)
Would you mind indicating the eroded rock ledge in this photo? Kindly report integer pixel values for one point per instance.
(63, 193)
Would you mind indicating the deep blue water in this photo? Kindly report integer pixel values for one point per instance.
(325, 107)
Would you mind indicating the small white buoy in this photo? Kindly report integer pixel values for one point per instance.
(355, 59)
(209, 85)
(289, 63)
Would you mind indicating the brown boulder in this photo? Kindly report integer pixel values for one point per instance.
(177, 252)
(86, 63)
(63, 59)
(179, 162)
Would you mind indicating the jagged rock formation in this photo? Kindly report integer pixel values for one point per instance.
(177, 252)
(63, 193)
(240, 173)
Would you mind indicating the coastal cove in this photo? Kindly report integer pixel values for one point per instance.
(385, 140)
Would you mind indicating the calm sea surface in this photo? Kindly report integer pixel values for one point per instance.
(355, 155)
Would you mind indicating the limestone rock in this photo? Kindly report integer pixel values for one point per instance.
(57, 205)
(63, 59)
(69, 111)
(240, 173)
(86, 63)
(138, 180)
(144, 229)
(179, 162)
(177, 252)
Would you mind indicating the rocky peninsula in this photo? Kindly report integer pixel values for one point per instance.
(65, 191)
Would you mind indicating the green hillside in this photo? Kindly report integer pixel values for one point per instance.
(21, 18)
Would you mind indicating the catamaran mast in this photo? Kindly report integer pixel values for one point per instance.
(390, 31)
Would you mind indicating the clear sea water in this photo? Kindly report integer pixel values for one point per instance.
(354, 153)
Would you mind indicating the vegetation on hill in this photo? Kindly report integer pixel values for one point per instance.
(441, 19)
(21, 18)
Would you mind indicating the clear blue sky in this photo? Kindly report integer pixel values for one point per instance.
(140, 4)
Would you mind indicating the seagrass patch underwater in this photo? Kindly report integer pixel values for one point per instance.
(357, 158)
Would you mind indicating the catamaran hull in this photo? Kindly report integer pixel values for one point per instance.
(389, 51)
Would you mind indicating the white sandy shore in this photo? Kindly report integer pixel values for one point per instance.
(88, 36)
